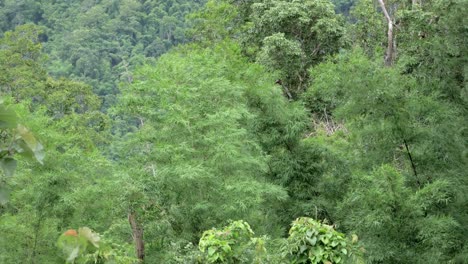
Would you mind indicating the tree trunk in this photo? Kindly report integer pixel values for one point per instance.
(391, 44)
(412, 163)
(137, 234)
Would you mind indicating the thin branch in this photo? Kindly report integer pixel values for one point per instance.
(412, 163)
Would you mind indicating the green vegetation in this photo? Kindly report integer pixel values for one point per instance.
(233, 244)
(174, 129)
(310, 241)
(86, 246)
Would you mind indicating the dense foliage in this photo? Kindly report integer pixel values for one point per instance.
(173, 129)
(100, 42)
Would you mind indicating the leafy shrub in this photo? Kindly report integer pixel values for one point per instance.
(313, 242)
(85, 246)
(232, 244)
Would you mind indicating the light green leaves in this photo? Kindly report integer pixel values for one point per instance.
(17, 139)
(85, 246)
(91, 236)
(30, 145)
(197, 132)
(232, 244)
(310, 241)
(8, 166)
(72, 244)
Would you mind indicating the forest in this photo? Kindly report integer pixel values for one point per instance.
(233, 131)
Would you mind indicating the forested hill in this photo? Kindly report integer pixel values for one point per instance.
(233, 131)
(100, 42)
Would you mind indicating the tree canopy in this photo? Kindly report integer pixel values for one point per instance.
(227, 131)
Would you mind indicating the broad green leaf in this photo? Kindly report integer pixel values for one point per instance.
(7, 117)
(73, 254)
(4, 194)
(32, 145)
(211, 251)
(8, 166)
(312, 241)
(302, 248)
(91, 236)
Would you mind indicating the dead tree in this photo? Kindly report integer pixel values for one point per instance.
(391, 43)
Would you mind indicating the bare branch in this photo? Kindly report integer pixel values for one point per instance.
(391, 47)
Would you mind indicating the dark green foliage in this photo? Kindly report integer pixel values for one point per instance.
(291, 36)
(15, 13)
(101, 42)
(315, 179)
(388, 113)
(22, 72)
(267, 117)
(398, 224)
(392, 120)
(434, 43)
(343, 6)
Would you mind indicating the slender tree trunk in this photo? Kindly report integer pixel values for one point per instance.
(137, 234)
(391, 44)
(412, 163)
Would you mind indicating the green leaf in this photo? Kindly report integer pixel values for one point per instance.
(302, 248)
(32, 145)
(312, 241)
(73, 254)
(71, 246)
(7, 118)
(91, 236)
(4, 194)
(8, 166)
(211, 251)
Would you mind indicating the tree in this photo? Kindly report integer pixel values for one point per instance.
(398, 224)
(16, 140)
(292, 36)
(433, 43)
(391, 42)
(22, 63)
(397, 124)
(199, 162)
(67, 188)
